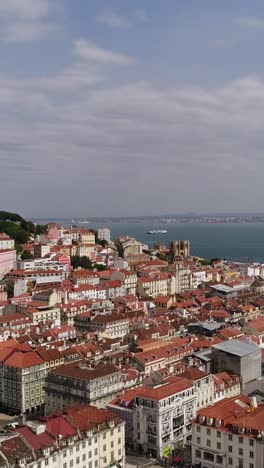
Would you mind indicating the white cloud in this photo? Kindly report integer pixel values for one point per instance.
(113, 20)
(249, 22)
(27, 32)
(86, 50)
(24, 9)
(141, 15)
(26, 20)
(148, 148)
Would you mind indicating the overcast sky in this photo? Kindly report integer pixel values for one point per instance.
(131, 107)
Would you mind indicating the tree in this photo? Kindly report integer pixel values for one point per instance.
(81, 262)
(41, 229)
(27, 255)
(161, 256)
(99, 267)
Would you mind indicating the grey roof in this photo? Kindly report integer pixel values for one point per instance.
(205, 355)
(222, 288)
(237, 347)
(206, 325)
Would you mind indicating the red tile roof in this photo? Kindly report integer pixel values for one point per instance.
(173, 386)
(24, 360)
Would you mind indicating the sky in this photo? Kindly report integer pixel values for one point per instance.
(131, 107)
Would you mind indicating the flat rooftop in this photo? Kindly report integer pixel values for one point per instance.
(237, 347)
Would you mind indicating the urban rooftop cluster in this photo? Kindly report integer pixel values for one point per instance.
(108, 346)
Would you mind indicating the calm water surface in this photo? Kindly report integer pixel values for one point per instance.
(230, 241)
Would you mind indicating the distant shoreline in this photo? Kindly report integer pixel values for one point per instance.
(162, 220)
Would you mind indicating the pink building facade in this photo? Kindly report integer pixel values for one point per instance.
(7, 261)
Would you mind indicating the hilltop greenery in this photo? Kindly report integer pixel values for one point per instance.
(21, 230)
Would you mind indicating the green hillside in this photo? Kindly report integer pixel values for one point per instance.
(18, 228)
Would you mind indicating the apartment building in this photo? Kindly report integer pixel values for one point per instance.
(165, 356)
(229, 434)
(41, 250)
(85, 291)
(22, 376)
(163, 416)
(203, 386)
(7, 261)
(113, 325)
(79, 277)
(104, 234)
(80, 382)
(226, 385)
(82, 436)
(153, 286)
(115, 288)
(128, 277)
(6, 242)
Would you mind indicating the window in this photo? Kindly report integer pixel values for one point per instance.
(104, 436)
(95, 451)
(218, 434)
(208, 431)
(112, 456)
(112, 433)
(119, 429)
(78, 460)
(198, 429)
(138, 435)
(84, 457)
(208, 443)
(198, 453)
(104, 460)
(251, 454)
(90, 454)
(83, 445)
(198, 440)
(64, 465)
(218, 445)
(104, 448)
(219, 459)
(240, 440)
(230, 437)
(230, 461)
(71, 463)
(89, 442)
(240, 463)
(240, 452)
(251, 443)
(230, 449)
(112, 444)
(119, 452)
(90, 464)
(54, 458)
(96, 463)
(251, 465)
(77, 448)
(95, 440)
(46, 461)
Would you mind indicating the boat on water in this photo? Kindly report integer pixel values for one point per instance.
(157, 231)
(84, 222)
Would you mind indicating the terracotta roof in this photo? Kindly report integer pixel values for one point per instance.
(24, 360)
(88, 417)
(58, 426)
(193, 373)
(37, 441)
(175, 385)
(15, 448)
(80, 370)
